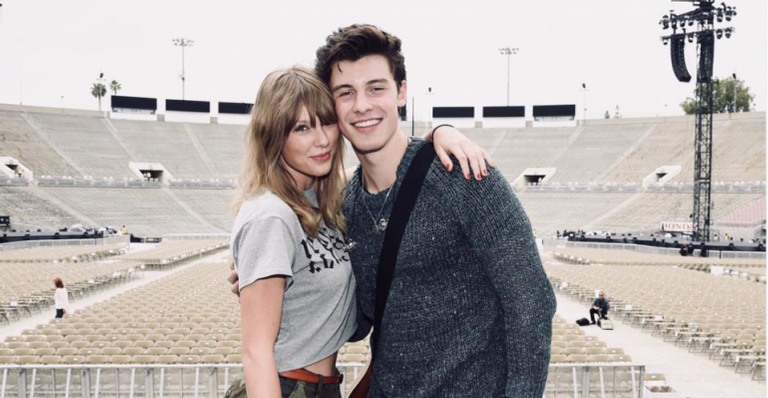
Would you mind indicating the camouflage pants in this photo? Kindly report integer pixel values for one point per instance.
(290, 389)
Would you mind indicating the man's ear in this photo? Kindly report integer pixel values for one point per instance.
(402, 95)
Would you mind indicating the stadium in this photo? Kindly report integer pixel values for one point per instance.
(131, 207)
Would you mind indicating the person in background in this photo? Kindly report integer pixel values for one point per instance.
(600, 306)
(61, 298)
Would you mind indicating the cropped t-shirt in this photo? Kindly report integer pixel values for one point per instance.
(319, 309)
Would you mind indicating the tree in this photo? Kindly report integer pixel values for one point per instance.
(98, 90)
(723, 93)
(617, 115)
(115, 86)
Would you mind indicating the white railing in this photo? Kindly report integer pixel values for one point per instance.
(196, 237)
(65, 242)
(603, 380)
(576, 380)
(579, 187)
(203, 184)
(14, 182)
(747, 255)
(97, 182)
(552, 244)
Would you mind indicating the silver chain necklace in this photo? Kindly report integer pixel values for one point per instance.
(379, 223)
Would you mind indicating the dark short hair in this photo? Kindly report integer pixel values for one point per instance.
(59, 283)
(357, 41)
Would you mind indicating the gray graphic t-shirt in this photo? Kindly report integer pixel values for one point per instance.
(319, 309)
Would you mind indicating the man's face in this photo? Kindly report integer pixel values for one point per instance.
(367, 99)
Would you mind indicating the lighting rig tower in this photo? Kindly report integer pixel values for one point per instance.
(699, 25)
(508, 52)
(183, 43)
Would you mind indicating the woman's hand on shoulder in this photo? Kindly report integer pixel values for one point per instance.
(473, 159)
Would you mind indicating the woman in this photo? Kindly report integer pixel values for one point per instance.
(60, 298)
(296, 285)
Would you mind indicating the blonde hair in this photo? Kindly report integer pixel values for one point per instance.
(275, 112)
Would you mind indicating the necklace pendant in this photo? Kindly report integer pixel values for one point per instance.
(350, 246)
(381, 226)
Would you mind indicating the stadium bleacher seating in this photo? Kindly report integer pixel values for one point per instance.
(213, 205)
(599, 147)
(167, 143)
(605, 152)
(751, 214)
(175, 252)
(223, 145)
(20, 141)
(151, 212)
(24, 205)
(85, 142)
(553, 211)
(650, 209)
(61, 254)
(722, 317)
(175, 319)
(28, 287)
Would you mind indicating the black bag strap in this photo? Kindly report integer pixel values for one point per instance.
(401, 212)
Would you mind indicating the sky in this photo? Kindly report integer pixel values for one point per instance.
(52, 51)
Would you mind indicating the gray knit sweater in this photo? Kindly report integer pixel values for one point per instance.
(470, 308)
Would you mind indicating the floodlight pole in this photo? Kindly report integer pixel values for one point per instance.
(734, 93)
(183, 43)
(584, 90)
(508, 52)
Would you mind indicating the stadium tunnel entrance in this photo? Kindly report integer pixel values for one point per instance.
(12, 168)
(151, 172)
(662, 175)
(533, 176)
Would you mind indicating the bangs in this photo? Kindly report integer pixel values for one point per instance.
(318, 102)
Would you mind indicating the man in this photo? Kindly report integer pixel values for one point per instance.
(460, 318)
(600, 306)
(470, 308)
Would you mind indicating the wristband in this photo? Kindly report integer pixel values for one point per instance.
(434, 130)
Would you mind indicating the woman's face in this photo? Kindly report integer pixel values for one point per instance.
(309, 151)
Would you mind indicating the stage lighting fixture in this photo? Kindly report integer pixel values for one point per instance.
(690, 38)
(728, 32)
(719, 33)
(665, 40)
